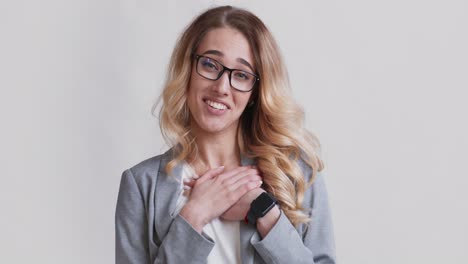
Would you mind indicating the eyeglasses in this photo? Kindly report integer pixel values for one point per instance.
(213, 70)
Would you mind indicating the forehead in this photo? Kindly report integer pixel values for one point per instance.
(231, 43)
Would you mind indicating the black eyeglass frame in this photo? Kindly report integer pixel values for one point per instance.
(197, 58)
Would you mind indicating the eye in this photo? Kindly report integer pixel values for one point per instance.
(242, 76)
(208, 64)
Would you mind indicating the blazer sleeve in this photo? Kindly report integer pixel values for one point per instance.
(134, 243)
(283, 244)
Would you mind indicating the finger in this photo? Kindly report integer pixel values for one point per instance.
(241, 175)
(189, 182)
(259, 172)
(254, 166)
(243, 187)
(245, 180)
(229, 174)
(250, 177)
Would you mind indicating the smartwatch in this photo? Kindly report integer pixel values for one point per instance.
(260, 207)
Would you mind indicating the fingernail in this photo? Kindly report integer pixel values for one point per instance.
(261, 182)
(187, 187)
(221, 167)
(195, 177)
(187, 180)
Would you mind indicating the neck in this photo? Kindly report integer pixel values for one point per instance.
(216, 149)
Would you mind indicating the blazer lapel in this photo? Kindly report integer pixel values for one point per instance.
(246, 231)
(167, 190)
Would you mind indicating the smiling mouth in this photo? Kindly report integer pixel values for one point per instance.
(216, 105)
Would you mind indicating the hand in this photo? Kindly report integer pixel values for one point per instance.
(189, 183)
(239, 210)
(215, 192)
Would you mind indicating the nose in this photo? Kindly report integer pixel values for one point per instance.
(222, 85)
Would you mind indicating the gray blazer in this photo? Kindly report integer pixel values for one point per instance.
(146, 232)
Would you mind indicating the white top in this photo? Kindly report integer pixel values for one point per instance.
(225, 234)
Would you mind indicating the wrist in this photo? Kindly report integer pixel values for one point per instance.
(271, 216)
(193, 216)
(266, 223)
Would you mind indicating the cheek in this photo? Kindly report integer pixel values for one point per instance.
(191, 96)
(192, 81)
(243, 100)
(192, 88)
(192, 100)
(196, 84)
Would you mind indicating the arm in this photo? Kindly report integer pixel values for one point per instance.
(133, 243)
(283, 244)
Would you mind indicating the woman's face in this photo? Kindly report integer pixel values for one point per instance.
(215, 107)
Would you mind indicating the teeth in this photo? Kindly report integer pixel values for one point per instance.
(216, 105)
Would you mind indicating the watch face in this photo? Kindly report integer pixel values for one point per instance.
(264, 203)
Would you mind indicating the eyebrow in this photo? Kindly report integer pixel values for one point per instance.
(219, 53)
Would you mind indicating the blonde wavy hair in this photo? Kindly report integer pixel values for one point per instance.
(270, 131)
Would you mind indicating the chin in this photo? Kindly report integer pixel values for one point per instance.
(217, 126)
(213, 128)
(214, 125)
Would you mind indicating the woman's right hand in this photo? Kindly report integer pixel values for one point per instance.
(215, 192)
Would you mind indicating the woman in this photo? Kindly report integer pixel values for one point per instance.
(241, 183)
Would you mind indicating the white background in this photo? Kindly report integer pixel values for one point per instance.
(384, 85)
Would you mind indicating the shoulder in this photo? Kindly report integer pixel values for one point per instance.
(151, 164)
(305, 168)
(318, 184)
(146, 172)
